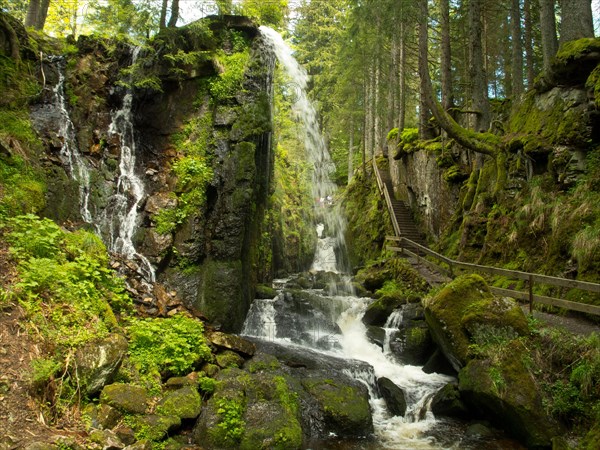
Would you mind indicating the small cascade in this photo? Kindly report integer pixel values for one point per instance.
(325, 259)
(391, 326)
(118, 222)
(69, 151)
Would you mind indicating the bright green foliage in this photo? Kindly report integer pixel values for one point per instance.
(367, 225)
(16, 8)
(123, 18)
(65, 286)
(193, 174)
(21, 188)
(270, 13)
(393, 134)
(228, 83)
(171, 346)
(231, 422)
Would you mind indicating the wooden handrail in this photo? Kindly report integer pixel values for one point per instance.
(531, 278)
(388, 200)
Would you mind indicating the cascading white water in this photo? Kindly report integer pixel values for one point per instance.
(118, 222)
(331, 234)
(69, 151)
(331, 323)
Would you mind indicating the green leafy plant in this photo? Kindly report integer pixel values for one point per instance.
(228, 83)
(171, 346)
(193, 173)
(231, 422)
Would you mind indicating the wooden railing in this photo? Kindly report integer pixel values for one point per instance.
(410, 248)
(388, 199)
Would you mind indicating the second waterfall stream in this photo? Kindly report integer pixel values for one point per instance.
(332, 323)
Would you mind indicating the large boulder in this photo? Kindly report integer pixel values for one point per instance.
(447, 402)
(250, 411)
(461, 308)
(125, 398)
(393, 396)
(503, 388)
(98, 362)
(344, 404)
(184, 403)
(232, 342)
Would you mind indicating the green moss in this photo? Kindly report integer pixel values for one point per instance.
(343, 405)
(393, 134)
(193, 174)
(228, 83)
(455, 174)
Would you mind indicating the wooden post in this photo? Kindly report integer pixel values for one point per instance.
(531, 294)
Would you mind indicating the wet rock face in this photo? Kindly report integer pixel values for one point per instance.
(209, 258)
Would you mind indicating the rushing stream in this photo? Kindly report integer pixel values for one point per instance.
(323, 320)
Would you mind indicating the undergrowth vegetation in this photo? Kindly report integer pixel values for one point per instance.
(160, 348)
(568, 370)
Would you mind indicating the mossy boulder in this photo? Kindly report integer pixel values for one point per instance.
(250, 411)
(262, 362)
(373, 277)
(265, 292)
(98, 362)
(456, 312)
(125, 398)
(229, 359)
(232, 342)
(155, 427)
(345, 405)
(102, 416)
(503, 388)
(412, 343)
(574, 61)
(184, 403)
(378, 311)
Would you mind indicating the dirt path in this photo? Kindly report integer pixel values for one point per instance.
(576, 325)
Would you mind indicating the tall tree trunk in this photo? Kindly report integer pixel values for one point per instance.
(483, 145)
(43, 14)
(402, 79)
(377, 149)
(477, 73)
(576, 20)
(446, 60)
(528, 43)
(517, 48)
(365, 121)
(351, 148)
(174, 14)
(33, 11)
(548, 30)
(392, 97)
(162, 23)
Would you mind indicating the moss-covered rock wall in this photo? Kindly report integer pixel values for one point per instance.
(542, 218)
(201, 106)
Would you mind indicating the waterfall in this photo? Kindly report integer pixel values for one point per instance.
(118, 222)
(331, 323)
(69, 151)
(331, 228)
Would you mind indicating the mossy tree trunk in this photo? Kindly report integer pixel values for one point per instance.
(13, 39)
